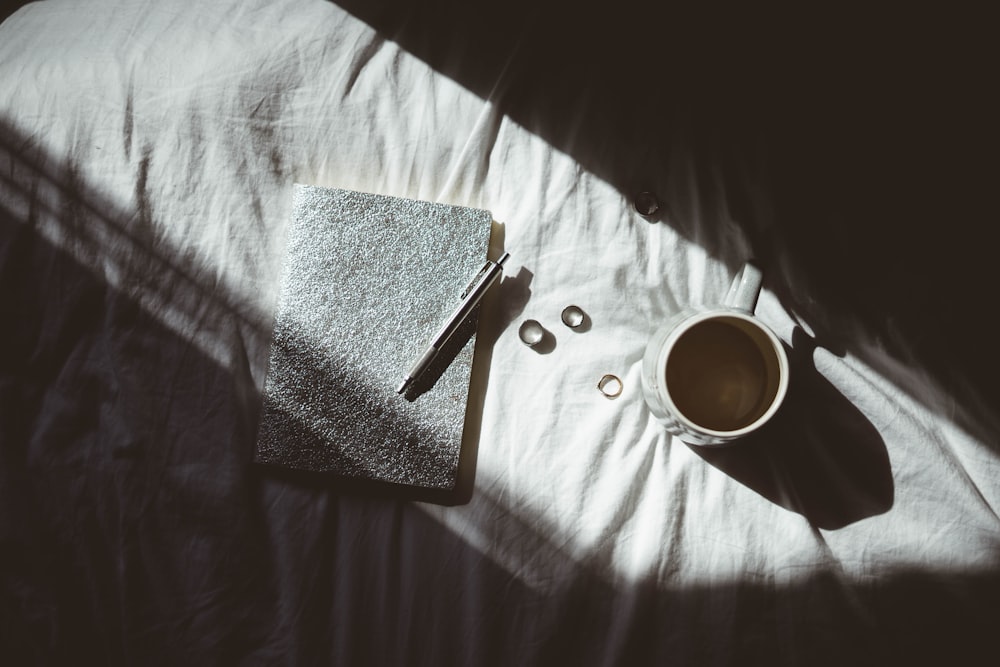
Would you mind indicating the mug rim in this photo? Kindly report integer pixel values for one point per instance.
(783, 369)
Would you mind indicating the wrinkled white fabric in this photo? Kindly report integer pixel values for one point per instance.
(157, 145)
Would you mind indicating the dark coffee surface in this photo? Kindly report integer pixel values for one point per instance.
(717, 377)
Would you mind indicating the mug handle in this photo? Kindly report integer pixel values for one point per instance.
(745, 289)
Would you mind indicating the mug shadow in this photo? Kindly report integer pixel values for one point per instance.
(819, 455)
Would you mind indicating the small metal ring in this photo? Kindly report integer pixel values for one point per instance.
(646, 204)
(610, 385)
(572, 316)
(531, 332)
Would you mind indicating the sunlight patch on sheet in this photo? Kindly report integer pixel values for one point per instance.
(179, 197)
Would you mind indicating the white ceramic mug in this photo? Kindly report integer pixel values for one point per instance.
(712, 374)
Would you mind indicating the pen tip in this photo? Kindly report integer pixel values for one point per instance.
(403, 385)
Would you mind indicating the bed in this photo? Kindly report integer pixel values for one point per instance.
(148, 155)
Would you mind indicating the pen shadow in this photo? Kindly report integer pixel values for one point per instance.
(446, 355)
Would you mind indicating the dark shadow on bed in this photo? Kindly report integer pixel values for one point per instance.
(8, 8)
(819, 456)
(160, 282)
(133, 529)
(847, 150)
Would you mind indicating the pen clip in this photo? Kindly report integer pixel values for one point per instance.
(476, 279)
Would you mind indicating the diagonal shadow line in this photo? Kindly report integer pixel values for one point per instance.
(93, 223)
(79, 346)
(846, 150)
(107, 232)
(99, 234)
(525, 92)
(304, 453)
(134, 532)
(10, 7)
(128, 251)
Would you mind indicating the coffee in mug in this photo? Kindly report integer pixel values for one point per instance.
(713, 374)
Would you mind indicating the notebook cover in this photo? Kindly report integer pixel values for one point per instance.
(367, 281)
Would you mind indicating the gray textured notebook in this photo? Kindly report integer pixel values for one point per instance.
(367, 281)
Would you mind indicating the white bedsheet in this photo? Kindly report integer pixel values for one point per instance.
(146, 165)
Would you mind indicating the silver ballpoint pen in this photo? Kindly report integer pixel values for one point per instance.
(471, 297)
